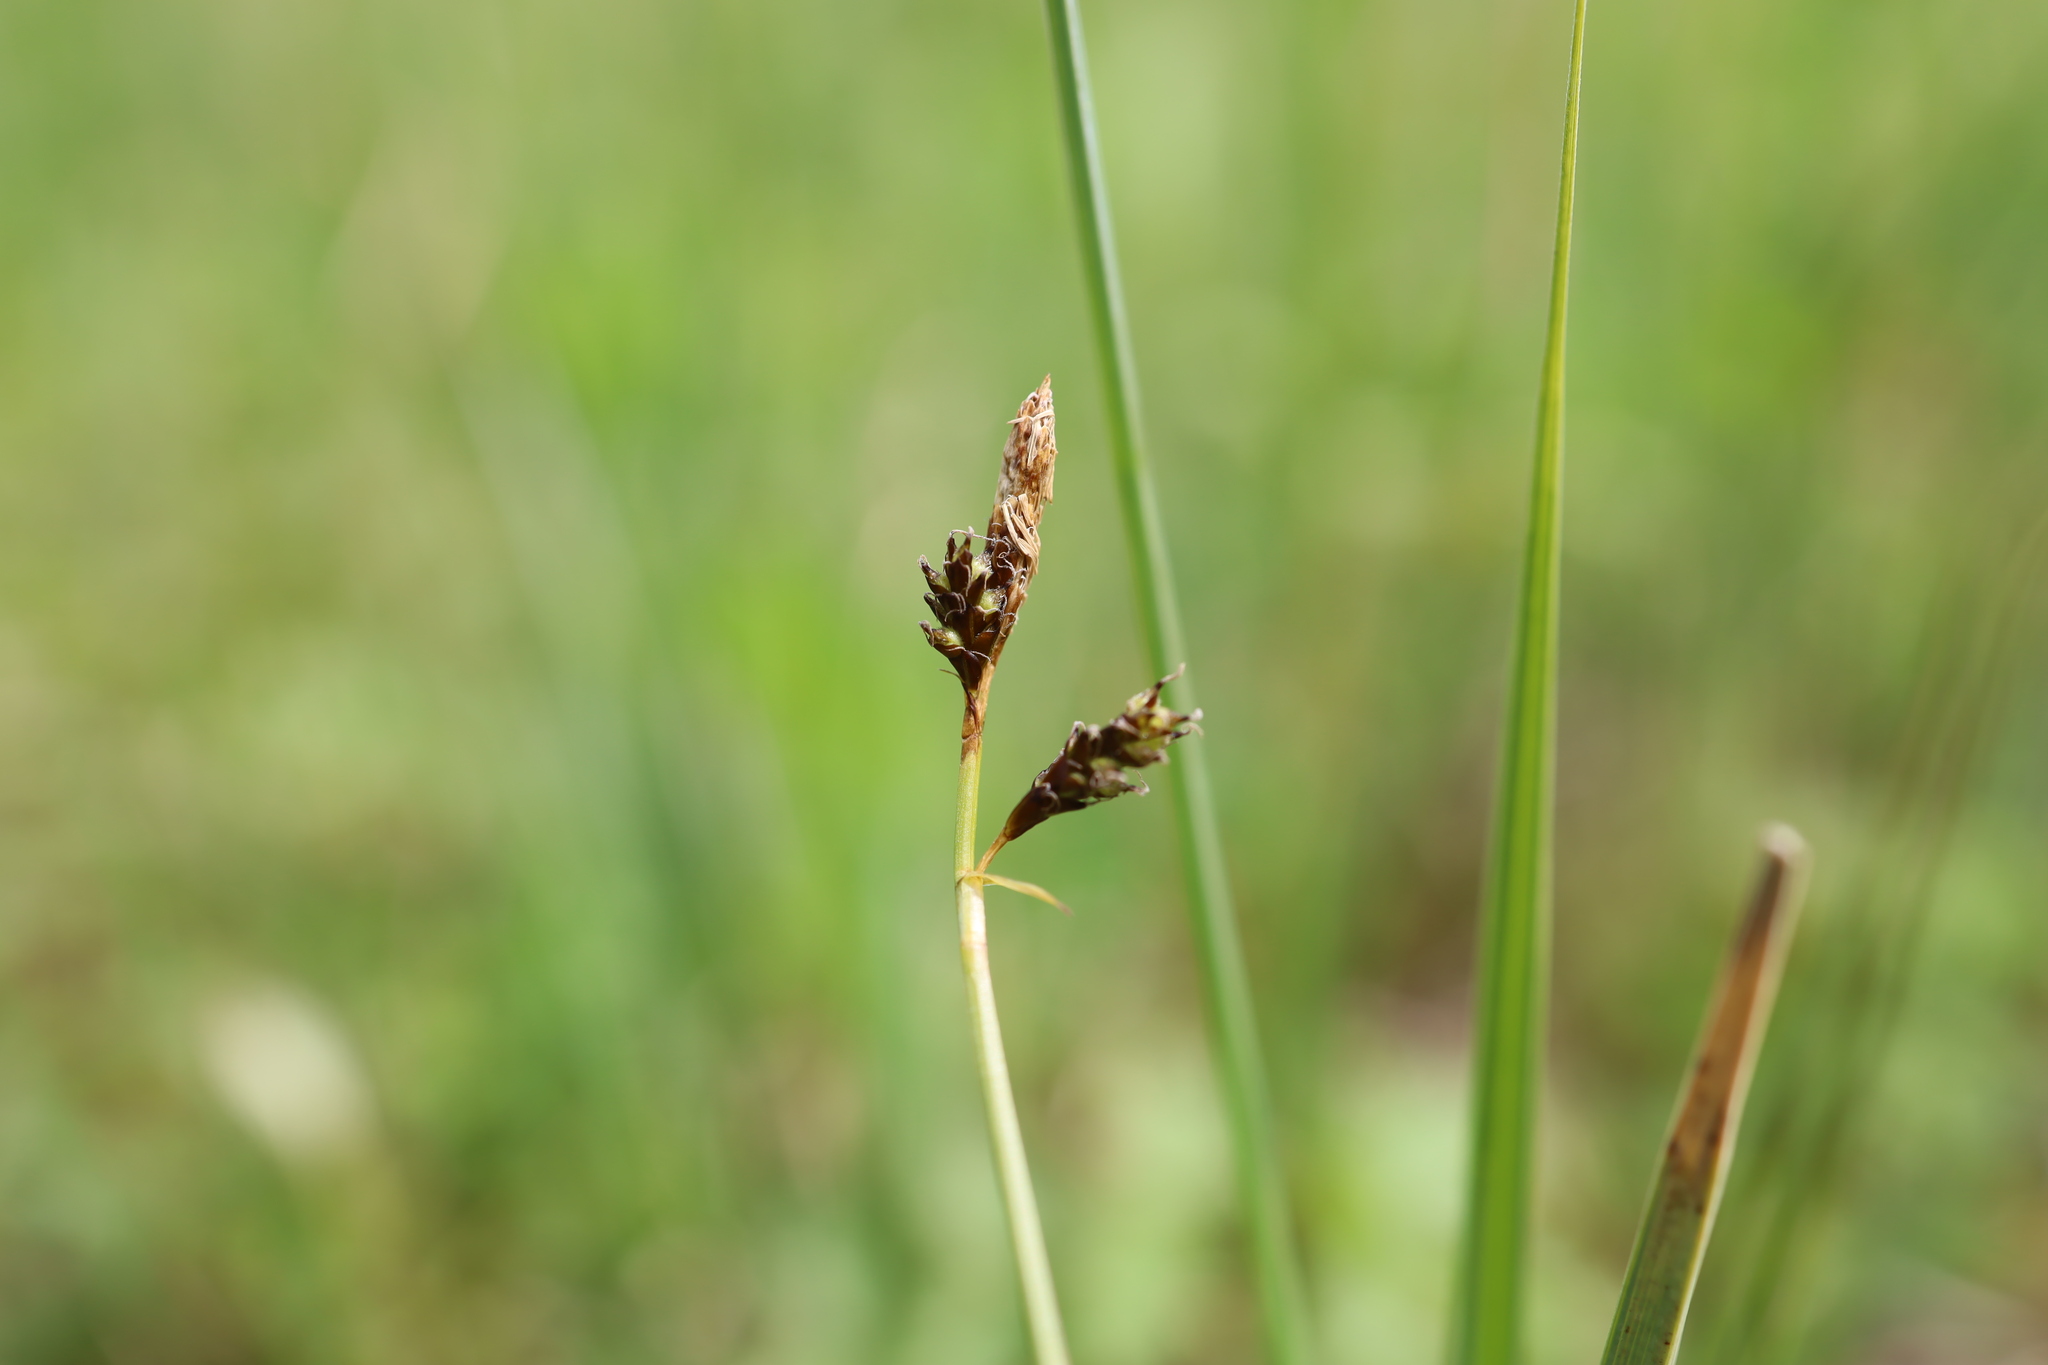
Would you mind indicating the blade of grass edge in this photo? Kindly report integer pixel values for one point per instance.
(1649, 1316)
(1514, 934)
(1226, 988)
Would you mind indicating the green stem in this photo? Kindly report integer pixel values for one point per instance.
(1034, 1270)
(1515, 929)
(1226, 988)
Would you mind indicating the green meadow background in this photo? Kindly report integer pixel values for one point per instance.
(475, 805)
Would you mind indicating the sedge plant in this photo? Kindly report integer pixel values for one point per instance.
(975, 595)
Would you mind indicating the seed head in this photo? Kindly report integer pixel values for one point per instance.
(973, 612)
(1096, 761)
(976, 598)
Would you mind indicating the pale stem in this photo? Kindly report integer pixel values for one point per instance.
(1034, 1270)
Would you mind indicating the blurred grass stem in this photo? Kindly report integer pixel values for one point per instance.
(1514, 934)
(1854, 1012)
(1034, 1269)
(1226, 987)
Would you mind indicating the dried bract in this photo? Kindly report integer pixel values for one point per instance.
(1025, 486)
(976, 597)
(1096, 762)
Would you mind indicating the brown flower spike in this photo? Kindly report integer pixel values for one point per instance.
(976, 597)
(1096, 761)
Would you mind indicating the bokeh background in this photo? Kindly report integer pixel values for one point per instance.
(475, 806)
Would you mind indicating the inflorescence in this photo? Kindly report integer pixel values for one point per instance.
(976, 597)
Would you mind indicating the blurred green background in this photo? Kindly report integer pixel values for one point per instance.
(475, 806)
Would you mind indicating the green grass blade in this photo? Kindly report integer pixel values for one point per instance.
(1226, 989)
(1514, 931)
(1650, 1315)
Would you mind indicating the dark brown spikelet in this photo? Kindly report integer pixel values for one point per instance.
(976, 598)
(1096, 762)
(973, 612)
